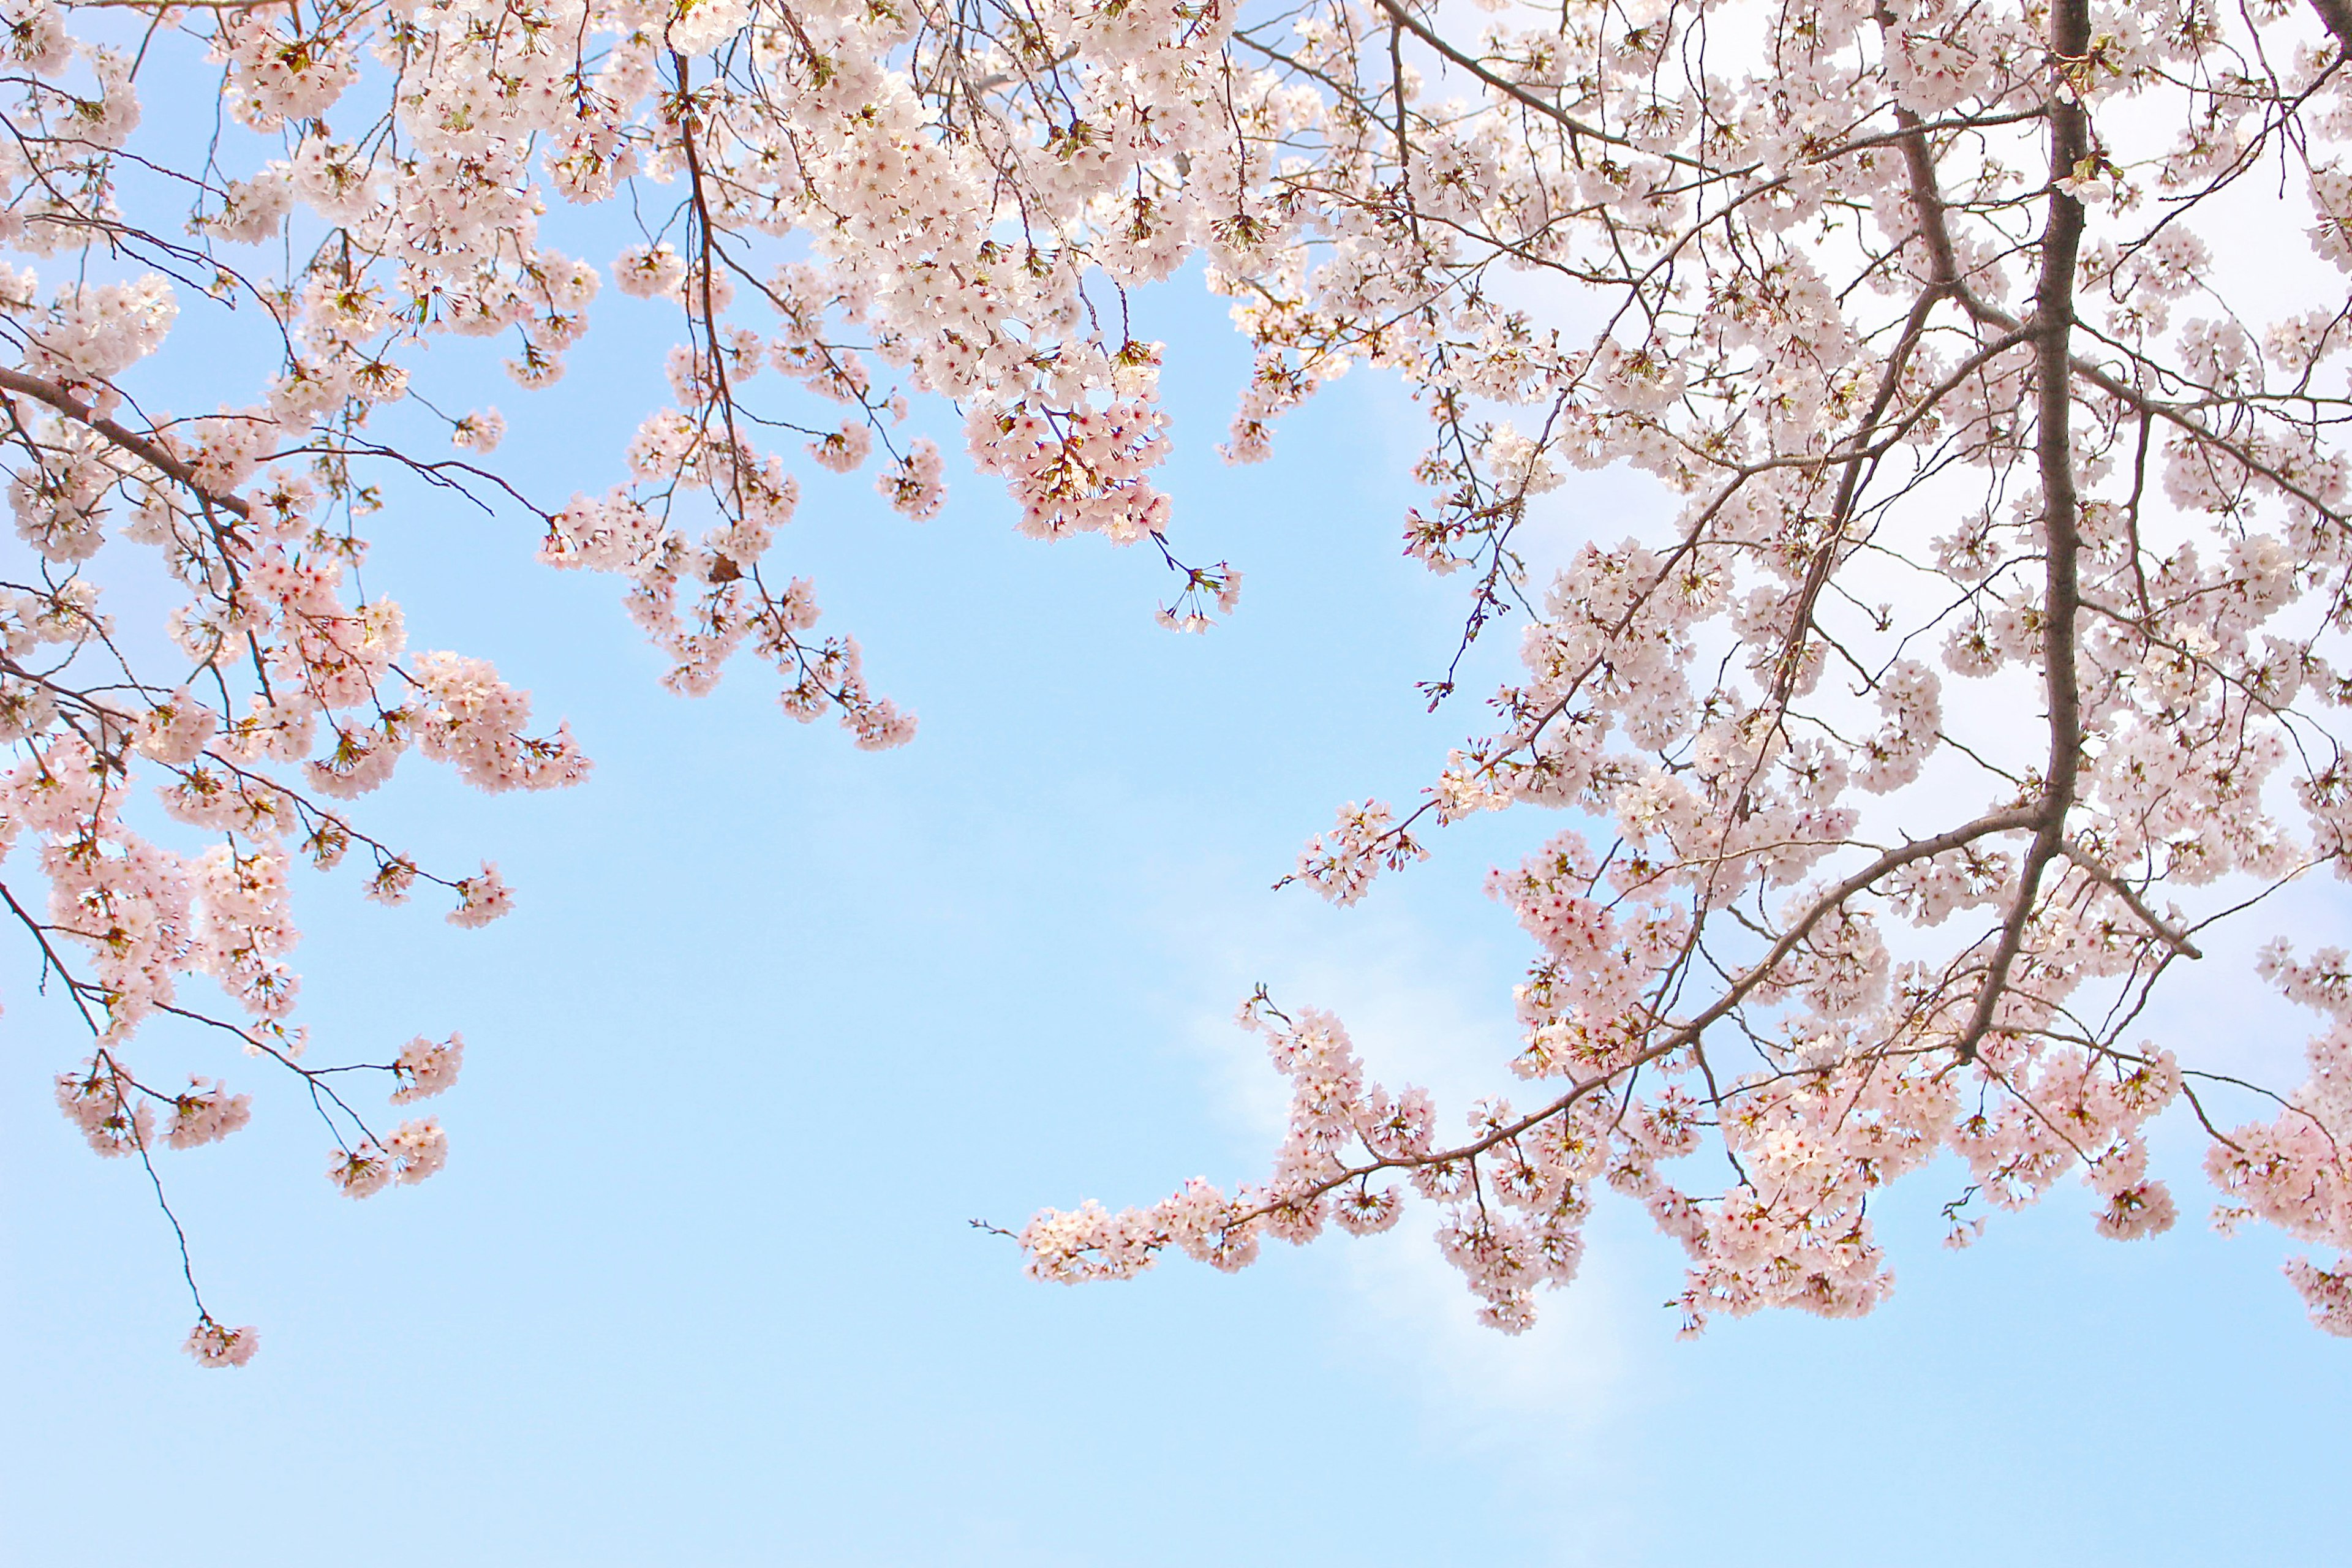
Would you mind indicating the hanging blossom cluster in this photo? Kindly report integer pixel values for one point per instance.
(843, 206)
(2001, 615)
(1997, 649)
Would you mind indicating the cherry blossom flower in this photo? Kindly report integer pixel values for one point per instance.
(1998, 643)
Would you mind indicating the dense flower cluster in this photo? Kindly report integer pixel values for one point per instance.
(1915, 306)
(213, 1345)
(2004, 614)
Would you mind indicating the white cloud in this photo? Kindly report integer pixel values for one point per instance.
(1427, 1002)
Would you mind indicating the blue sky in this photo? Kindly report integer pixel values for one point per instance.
(773, 1019)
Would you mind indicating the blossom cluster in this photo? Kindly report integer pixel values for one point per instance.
(1997, 645)
(2002, 612)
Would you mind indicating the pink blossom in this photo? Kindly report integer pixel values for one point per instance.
(213, 1345)
(425, 1068)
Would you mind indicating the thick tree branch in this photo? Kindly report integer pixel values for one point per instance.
(2132, 901)
(2053, 451)
(147, 450)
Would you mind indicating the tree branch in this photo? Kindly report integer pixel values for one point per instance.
(144, 448)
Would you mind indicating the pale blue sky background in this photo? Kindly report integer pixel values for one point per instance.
(774, 1018)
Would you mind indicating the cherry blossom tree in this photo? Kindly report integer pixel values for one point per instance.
(1906, 307)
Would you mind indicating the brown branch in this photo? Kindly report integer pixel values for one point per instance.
(144, 448)
(2120, 889)
(1508, 88)
(1689, 1033)
(2338, 14)
(2053, 446)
